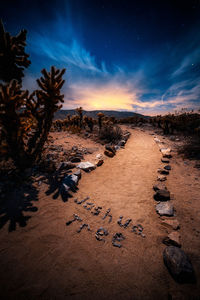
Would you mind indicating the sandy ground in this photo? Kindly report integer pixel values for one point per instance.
(49, 260)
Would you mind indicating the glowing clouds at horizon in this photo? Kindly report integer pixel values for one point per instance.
(108, 97)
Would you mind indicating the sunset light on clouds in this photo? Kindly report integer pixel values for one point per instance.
(116, 56)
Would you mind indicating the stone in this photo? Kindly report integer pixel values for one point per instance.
(117, 147)
(178, 264)
(86, 166)
(157, 140)
(99, 162)
(70, 182)
(109, 153)
(99, 156)
(172, 239)
(174, 224)
(159, 186)
(78, 174)
(165, 160)
(163, 171)
(126, 135)
(161, 178)
(168, 167)
(162, 195)
(110, 148)
(121, 143)
(166, 152)
(75, 159)
(165, 209)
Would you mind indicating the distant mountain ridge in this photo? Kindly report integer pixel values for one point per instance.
(61, 114)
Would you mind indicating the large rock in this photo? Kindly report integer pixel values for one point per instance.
(86, 166)
(165, 160)
(157, 140)
(159, 186)
(167, 167)
(110, 148)
(78, 174)
(166, 152)
(173, 239)
(178, 264)
(165, 209)
(75, 159)
(161, 178)
(163, 171)
(121, 143)
(162, 195)
(109, 153)
(99, 162)
(172, 224)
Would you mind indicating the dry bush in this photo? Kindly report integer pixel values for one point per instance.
(191, 148)
(110, 134)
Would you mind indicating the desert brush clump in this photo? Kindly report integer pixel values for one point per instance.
(26, 119)
(110, 133)
(100, 119)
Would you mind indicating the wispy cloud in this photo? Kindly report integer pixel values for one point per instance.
(158, 85)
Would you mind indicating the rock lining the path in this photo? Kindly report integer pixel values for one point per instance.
(162, 195)
(165, 160)
(165, 209)
(178, 264)
(174, 224)
(163, 171)
(86, 166)
(161, 178)
(159, 186)
(172, 239)
(167, 167)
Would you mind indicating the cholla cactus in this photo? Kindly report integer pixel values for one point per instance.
(13, 58)
(25, 120)
(90, 122)
(80, 113)
(43, 104)
(100, 117)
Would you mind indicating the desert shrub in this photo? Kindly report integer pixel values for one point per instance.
(89, 122)
(100, 118)
(26, 119)
(110, 134)
(80, 115)
(191, 148)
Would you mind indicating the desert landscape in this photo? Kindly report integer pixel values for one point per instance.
(99, 156)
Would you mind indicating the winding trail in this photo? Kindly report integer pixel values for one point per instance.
(53, 261)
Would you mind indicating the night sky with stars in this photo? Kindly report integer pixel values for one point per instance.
(139, 55)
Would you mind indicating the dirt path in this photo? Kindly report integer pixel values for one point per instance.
(49, 260)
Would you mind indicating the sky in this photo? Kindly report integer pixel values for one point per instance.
(139, 55)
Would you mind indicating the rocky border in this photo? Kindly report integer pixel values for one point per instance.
(175, 259)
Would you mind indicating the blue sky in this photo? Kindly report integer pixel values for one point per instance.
(141, 56)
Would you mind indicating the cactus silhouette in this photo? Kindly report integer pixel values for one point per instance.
(25, 119)
(13, 58)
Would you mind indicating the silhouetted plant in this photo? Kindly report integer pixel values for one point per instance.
(13, 58)
(80, 113)
(90, 122)
(100, 117)
(25, 120)
(111, 134)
